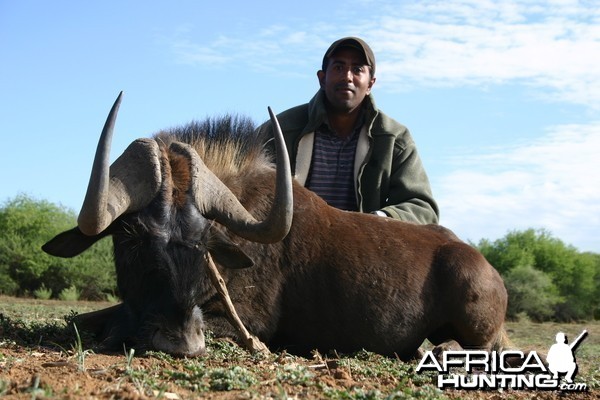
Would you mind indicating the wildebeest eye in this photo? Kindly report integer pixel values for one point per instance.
(227, 253)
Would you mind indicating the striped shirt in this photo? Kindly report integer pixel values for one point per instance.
(331, 173)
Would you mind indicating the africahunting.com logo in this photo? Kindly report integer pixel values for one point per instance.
(485, 370)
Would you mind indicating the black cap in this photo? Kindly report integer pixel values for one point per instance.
(355, 43)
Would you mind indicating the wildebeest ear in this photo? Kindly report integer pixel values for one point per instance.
(228, 254)
(70, 243)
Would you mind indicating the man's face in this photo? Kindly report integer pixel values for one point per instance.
(347, 80)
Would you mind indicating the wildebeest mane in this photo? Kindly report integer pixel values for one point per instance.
(229, 145)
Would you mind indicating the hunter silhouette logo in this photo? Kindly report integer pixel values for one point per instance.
(561, 356)
(490, 370)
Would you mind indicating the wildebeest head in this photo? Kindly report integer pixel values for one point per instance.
(160, 202)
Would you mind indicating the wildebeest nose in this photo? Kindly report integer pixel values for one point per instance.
(178, 343)
(184, 339)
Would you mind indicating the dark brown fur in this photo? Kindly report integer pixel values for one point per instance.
(348, 281)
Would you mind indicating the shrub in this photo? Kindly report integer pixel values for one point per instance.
(574, 275)
(531, 292)
(70, 294)
(42, 293)
(26, 224)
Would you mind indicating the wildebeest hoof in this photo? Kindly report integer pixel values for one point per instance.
(450, 345)
(419, 354)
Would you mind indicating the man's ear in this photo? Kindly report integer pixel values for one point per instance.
(371, 84)
(227, 253)
(321, 77)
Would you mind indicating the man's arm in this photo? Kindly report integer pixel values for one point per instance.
(409, 196)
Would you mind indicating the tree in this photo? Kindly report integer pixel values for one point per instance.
(532, 292)
(574, 274)
(511, 251)
(596, 295)
(26, 224)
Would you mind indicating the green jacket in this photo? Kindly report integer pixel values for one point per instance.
(388, 172)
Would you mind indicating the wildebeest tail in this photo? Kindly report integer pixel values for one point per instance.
(502, 341)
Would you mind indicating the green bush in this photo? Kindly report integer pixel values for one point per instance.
(111, 298)
(531, 292)
(574, 276)
(42, 293)
(70, 294)
(26, 224)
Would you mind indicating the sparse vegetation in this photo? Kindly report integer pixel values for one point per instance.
(33, 338)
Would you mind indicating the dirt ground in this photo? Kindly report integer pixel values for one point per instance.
(44, 373)
(52, 367)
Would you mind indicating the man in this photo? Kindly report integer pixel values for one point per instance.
(350, 153)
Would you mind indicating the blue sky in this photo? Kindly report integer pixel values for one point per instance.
(502, 97)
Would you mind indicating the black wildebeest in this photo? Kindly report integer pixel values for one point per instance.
(338, 280)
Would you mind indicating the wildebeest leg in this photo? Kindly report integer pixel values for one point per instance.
(419, 354)
(96, 322)
(474, 300)
(112, 327)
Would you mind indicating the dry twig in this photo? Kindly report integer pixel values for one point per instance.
(252, 343)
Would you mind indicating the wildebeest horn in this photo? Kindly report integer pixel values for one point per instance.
(129, 184)
(216, 201)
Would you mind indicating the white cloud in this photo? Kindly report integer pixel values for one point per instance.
(553, 46)
(552, 183)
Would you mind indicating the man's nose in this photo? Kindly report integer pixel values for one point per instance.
(347, 74)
